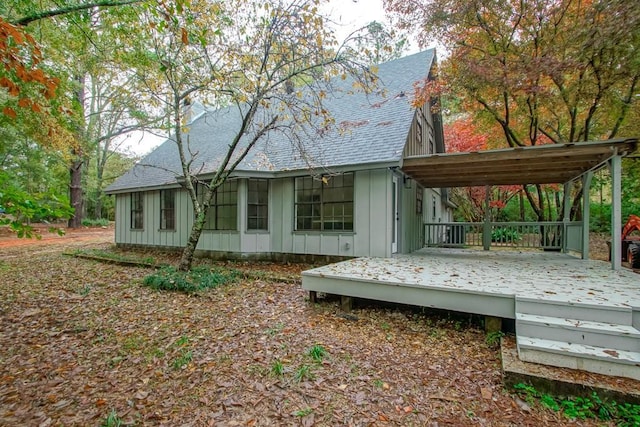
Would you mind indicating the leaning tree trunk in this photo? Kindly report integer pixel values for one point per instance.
(190, 249)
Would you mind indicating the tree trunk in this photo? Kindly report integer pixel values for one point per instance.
(75, 193)
(190, 249)
(76, 197)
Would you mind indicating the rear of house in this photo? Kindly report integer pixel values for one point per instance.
(274, 205)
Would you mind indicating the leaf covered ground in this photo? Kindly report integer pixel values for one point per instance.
(80, 340)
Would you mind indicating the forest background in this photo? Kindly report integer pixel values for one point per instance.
(77, 76)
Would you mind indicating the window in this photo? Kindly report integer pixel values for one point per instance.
(419, 192)
(258, 204)
(137, 211)
(223, 212)
(167, 209)
(321, 206)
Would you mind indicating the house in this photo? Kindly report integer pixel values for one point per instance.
(274, 205)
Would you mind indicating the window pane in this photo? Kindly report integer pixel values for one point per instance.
(258, 204)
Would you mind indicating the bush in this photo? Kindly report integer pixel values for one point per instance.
(198, 279)
(100, 222)
(505, 235)
(600, 215)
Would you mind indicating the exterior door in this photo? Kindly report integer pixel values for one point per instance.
(395, 215)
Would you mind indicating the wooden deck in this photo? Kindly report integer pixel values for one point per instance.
(545, 292)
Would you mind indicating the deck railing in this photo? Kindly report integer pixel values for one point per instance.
(550, 235)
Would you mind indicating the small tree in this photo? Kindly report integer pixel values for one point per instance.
(271, 62)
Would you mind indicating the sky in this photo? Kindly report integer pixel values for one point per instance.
(349, 15)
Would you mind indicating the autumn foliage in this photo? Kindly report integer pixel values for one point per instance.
(463, 136)
(25, 82)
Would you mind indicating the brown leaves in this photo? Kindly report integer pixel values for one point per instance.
(80, 338)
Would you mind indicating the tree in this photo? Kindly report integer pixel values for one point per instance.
(84, 43)
(376, 44)
(462, 135)
(270, 62)
(546, 71)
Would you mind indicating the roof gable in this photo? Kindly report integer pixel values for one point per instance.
(372, 128)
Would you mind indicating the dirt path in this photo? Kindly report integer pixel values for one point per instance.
(70, 238)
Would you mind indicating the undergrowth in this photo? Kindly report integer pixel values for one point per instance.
(580, 408)
(195, 280)
(101, 222)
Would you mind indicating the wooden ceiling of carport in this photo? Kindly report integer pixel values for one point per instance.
(543, 164)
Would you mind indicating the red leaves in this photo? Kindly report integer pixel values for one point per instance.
(20, 56)
(9, 112)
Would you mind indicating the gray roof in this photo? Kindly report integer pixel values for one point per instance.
(375, 129)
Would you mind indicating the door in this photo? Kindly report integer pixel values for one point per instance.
(395, 215)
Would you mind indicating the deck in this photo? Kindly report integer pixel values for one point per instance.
(560, 303)
(481, 282)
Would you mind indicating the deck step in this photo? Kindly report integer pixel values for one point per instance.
(596, 359)
(597, 334)
(575, 310)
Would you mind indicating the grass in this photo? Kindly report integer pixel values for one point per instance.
(493, 338)
(275, 330)
(317, 352)
(304, 373)
(101, 222)
(581, 408)
(113, 256)
(112, 420)
(277, 368)
(181, 362)
(303, 412)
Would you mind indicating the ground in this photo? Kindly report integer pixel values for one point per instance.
(80, 340)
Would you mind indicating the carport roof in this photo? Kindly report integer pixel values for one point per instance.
(542, 164)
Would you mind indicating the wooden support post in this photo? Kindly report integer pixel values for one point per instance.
(616, 212)
(586, 213)
(346, 303)
(313, 297)
(492, 324)
(486, 229)
(566, 217)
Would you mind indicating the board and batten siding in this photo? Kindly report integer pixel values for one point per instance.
(411, 223)
(372, 212)
(425, 145)
(371, 235)
(150, 234)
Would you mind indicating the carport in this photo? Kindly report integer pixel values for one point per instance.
(543, 164)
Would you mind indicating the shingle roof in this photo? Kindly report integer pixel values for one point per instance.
(377, 128)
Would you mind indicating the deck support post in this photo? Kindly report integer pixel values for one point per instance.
(566, 215)
(486, 228)
(492, 324)
(346, 303)
(586, 213)
(616, 211)
(313, 297)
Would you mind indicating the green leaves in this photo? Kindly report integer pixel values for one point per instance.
(21, 208)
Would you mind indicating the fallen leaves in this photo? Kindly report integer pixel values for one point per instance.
(79, 339)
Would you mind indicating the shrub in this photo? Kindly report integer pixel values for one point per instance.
(100, 222)
(198, 279)
(505, 235)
